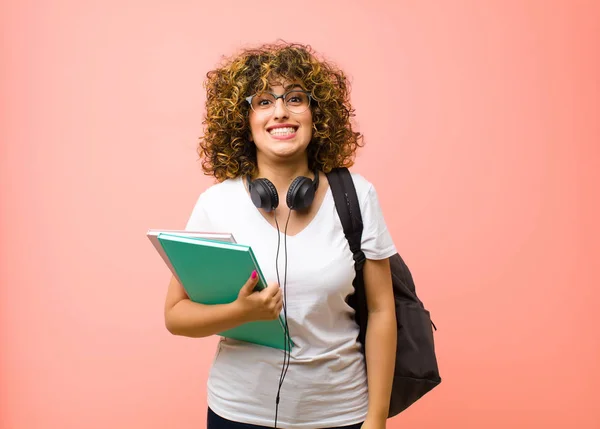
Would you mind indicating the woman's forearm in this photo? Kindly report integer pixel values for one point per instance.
(380, 357)
(191, 319)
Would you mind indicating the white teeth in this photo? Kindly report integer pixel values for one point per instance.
(282, 131)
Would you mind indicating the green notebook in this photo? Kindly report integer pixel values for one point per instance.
(213, 272)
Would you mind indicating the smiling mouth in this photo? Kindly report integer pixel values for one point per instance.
(282, 131)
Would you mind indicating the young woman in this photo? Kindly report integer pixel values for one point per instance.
(277, 120)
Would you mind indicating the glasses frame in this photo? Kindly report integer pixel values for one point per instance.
(282, 96)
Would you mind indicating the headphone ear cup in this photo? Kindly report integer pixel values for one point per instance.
(300, 194)
(264, 194)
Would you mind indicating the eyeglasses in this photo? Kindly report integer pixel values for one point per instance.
(295, 101)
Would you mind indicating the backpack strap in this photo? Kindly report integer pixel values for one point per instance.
(348, 208)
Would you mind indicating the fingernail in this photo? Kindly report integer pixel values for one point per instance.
(254, 274)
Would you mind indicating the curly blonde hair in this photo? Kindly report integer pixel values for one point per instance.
(226, 150)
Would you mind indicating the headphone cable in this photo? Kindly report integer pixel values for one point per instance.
(287, 351)
(287, 343)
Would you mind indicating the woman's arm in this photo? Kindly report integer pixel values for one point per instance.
(380, 338)
(191, 319)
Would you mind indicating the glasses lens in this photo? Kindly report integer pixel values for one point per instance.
(296, 101)
(264, 101)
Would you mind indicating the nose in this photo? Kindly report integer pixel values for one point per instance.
(279, 110)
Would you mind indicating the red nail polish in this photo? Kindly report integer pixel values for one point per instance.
(254, 274)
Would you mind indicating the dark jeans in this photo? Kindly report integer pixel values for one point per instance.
(215, 421)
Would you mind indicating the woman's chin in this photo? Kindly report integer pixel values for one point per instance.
(285, 149)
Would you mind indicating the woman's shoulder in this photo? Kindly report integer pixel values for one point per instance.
(219, 193)
(368, 197)
(364, 187)
(360, 181)
(215, 202)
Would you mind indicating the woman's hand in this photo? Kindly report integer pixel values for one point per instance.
(262, 305)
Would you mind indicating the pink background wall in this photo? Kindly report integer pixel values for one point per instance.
(484, 115)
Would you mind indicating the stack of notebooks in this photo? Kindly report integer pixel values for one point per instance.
(212, 268)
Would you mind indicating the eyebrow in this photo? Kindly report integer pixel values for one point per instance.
(288, 87)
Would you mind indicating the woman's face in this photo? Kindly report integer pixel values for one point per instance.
(278, 133)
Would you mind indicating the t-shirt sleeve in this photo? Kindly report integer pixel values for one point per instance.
(377, 242)
(199, 220)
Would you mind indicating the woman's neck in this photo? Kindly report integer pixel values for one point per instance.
(282, 175)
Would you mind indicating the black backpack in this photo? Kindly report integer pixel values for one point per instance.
(416, 369)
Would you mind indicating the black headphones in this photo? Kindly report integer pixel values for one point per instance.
(300, 194)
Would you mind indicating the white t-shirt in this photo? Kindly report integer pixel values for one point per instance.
(325, 384)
